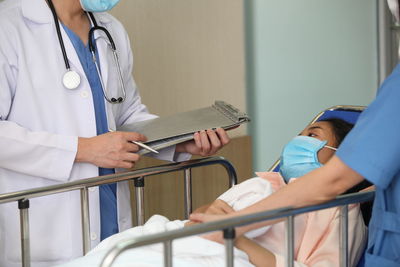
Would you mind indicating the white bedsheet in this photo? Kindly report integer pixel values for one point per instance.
(191, 251)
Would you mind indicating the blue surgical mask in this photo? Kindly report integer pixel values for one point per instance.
(299, 156)
(98, 5)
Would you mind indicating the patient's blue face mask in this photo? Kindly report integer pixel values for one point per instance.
(98, 5)
(299, 156)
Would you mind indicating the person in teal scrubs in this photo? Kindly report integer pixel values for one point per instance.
(372, 149)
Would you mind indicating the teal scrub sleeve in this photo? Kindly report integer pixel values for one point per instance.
(372, 148)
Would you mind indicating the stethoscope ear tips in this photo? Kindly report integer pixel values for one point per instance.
(119, 100)
(115, 100)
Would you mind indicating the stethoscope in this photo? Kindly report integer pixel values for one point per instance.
(72, 79)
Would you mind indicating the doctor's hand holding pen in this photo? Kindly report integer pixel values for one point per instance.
(110, 150)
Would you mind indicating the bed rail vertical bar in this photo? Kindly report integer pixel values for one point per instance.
(23, 206)
(85, 220)
(290, 241)
(139, 195)
(229, 237)
(188, 192)
(168, 253)
(344, 240)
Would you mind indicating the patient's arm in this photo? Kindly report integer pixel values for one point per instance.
(258, 255)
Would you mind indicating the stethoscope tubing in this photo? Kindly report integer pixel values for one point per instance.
(92, 48)
(60, 39)
(73, 82)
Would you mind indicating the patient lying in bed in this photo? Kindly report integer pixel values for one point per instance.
(316, 233)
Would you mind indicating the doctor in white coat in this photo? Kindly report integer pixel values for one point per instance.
(50, 134)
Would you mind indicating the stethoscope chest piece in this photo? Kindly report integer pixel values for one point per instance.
(71, 79)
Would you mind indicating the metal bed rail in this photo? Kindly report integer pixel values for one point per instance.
(228, 228)
(22, 197)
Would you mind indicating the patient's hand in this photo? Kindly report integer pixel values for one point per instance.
(217, 210)
(219, 207)
(202, 218)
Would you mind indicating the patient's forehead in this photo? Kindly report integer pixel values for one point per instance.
(321, 130)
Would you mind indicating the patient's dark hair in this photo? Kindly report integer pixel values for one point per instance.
(340, 128)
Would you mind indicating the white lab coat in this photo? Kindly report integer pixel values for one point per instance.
(40, 122)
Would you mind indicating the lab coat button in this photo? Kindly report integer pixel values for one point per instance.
(93, 236)
(84, 94)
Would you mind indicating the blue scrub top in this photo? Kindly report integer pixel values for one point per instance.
(372, 149)
(108, 193)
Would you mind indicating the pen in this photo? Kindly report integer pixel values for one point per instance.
(145, 146)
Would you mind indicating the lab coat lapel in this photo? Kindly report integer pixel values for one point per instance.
(39, 12)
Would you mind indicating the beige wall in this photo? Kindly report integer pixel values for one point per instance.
(187, 53)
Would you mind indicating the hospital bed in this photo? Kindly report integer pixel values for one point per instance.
(349, 113)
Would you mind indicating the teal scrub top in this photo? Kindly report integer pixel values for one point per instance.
(372, 149)
(108, 193)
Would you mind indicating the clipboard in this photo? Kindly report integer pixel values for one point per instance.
(171, 130)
